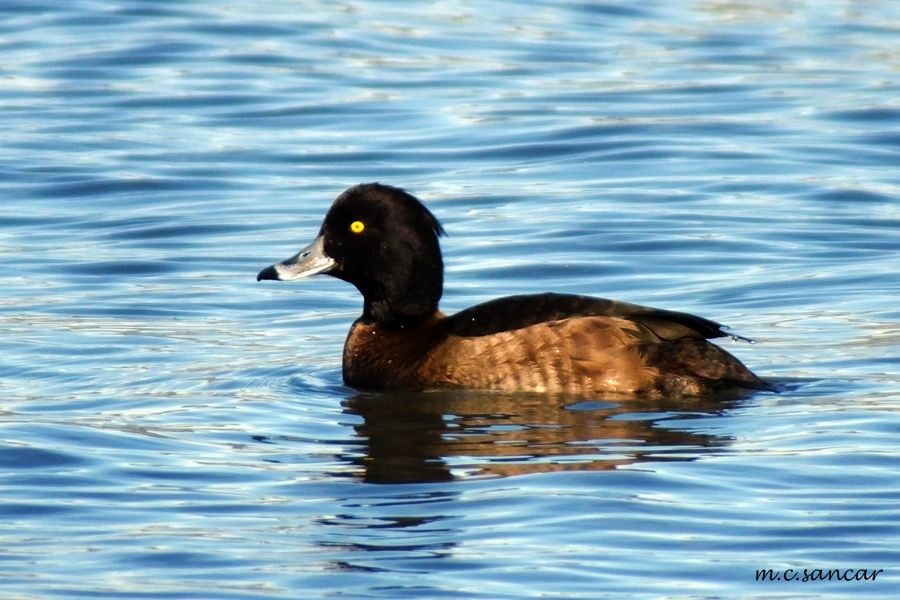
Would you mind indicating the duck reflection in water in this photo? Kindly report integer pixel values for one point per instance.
(440, 436)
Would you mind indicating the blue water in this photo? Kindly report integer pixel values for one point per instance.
(170, 428)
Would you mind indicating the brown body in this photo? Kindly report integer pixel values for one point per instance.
(575, 354)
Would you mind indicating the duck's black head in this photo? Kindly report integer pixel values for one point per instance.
(385, 242)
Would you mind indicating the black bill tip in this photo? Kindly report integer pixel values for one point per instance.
(268, 273)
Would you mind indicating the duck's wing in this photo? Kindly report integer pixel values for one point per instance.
(517, 312)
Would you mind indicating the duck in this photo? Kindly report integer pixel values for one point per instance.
(385, 242)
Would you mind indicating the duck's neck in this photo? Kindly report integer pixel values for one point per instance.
(411, 311)
(406, 294)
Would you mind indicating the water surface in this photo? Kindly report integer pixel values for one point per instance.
(172, 428)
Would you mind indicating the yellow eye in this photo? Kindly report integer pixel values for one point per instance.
(357, 226)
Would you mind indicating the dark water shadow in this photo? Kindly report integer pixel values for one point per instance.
(442, 436)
